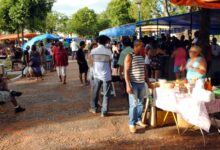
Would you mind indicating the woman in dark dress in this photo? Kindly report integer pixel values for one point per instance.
(35, 62)
(83, 66)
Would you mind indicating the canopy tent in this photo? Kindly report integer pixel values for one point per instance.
(39, 38)
(124, 30)
(188, 21)
(13, 37)
(213, 4)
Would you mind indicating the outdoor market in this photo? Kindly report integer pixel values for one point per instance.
(151, 81)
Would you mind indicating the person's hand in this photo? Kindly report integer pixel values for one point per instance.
(129, 89)
(151, 86)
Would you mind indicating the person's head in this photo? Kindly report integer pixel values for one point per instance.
(195, 51)
(103, 40)
(182, 38)
(41, 43)
(60, 45)
(196, 34)
(34, 48)
(82, 44)
(138, 47)
(214, 40)
(93, 45)
(126, 41)
(28, 48)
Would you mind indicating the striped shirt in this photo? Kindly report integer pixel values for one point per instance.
(137, 71)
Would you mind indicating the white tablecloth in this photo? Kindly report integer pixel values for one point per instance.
(194, 108)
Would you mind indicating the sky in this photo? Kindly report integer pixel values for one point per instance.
(69, 7)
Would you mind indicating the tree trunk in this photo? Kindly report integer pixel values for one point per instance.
(22, 34)
(204, 30)
(18, 36)
(165, 8)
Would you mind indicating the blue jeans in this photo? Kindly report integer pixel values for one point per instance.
(106, 94)
(136, 102)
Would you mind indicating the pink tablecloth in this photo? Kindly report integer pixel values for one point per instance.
(189, 107)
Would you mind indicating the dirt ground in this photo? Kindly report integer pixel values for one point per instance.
(57, 118)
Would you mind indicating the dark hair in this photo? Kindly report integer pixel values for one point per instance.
(103, 39)
(82, 43)
(60, 44)
(126, 41)
(41, 43)
(34, 48)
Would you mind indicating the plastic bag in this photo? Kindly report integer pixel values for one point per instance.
(43, 71)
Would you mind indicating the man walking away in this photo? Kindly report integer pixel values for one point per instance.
(74, 48)
(135, 77)
(101, 58)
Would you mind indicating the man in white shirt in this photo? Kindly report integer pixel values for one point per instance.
(101, 58)
(215, 48)
(74, 48)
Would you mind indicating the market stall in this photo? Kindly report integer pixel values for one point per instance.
(194, 107)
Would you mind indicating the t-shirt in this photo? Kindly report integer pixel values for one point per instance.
(80, 56)
(101, 63)
(215, 50)
(123, 54)
(146, 60)
(74, 46)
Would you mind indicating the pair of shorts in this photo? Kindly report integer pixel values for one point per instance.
(176, 69)
(61, 71)
(5, 96)
(83, 68)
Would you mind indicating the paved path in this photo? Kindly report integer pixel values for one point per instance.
(57, 117)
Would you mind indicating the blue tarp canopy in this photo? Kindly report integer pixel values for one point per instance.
(188, 21)
(39, 38)
(124, 30)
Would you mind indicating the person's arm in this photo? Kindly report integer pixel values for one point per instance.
(147, 79)
(127, 67)
(202, 67)
(90, 61)
(121, 68)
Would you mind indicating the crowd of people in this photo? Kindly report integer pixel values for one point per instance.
(133, 61)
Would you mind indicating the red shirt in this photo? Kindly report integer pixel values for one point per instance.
(60, 57)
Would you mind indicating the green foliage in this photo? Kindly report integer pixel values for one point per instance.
(56, 21)
(118, 12)
(29, 14)
(84, 22)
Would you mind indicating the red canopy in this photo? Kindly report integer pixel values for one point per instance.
(13, 37)
(214, 4)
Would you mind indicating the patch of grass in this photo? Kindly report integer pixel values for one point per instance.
(11, 76)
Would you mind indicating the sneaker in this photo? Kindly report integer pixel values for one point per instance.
(19, 109)
(139, 123)
(103, 115)
(132, 128)
(92, 111)
(14, 93)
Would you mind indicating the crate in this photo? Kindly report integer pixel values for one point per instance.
(160, 116)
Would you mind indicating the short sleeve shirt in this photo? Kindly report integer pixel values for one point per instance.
(101, 63)
(123, 54)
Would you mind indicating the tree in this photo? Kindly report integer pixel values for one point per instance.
(149, 9)
(16, 15)
(118, 12)
(84, 22)
(102, 22)
(56, 21)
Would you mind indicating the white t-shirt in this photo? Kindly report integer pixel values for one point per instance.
(74, 46)
(101, 63)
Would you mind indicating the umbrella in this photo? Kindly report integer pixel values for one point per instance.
(214, 4)
(39, 38)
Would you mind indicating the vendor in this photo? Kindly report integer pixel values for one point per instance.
(196, 65)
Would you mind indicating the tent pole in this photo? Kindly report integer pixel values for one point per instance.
(191, 21)
(157, 29)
